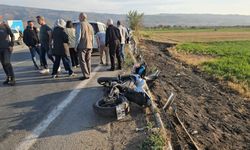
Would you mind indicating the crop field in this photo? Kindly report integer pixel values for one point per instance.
(232, 59)
(197, 35)
(229, 48)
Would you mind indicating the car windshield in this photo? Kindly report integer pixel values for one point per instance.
(95, 27)
(14, 31)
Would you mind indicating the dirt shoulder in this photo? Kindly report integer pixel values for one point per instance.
(216, 115)
(123, 133)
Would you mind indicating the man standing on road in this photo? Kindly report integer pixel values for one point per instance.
(30, 38)
(6, 48)
(46, 42)
(84, 45)
(61, 48)
(113, 40)
(124, 34)
(70, 31)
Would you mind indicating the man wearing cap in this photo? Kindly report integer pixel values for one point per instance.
(30, 38)
(84, 45)
(46, 42)
(6, 48)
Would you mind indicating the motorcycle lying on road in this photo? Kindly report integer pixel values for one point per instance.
(122, 90)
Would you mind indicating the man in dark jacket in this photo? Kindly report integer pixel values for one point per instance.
(6, 48)
(61, 49)
(113, 40)
(30, 38)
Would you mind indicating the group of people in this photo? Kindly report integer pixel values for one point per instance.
(73, 44)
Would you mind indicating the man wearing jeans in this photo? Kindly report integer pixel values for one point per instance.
(6, 48)
(46, 43)
(61, 49)
(124, 34)
(84, 45)
(30, 38)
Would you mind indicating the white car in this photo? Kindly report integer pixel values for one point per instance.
(17, 36)
(97, 26)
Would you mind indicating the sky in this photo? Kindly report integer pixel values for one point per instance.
(240, 7)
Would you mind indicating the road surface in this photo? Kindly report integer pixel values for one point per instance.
(45, 113)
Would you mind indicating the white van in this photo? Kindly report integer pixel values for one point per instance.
(97, 26)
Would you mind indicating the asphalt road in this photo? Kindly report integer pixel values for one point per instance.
(45, 113)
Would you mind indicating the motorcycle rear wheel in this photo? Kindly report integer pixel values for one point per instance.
(109, 110)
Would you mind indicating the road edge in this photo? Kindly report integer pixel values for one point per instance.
(153, 107)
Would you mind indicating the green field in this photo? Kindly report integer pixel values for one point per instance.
(232, 59)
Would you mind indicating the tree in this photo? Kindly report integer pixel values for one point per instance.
(135, 20)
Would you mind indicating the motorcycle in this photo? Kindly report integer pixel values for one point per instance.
(122, 90)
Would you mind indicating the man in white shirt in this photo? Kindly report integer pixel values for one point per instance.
(124, 34)
(100, 38)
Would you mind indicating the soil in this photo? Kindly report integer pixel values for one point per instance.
(216, 116)
(123, 134)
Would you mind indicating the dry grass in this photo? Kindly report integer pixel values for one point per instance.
(241, 88)
(196, 36)
(192, 59)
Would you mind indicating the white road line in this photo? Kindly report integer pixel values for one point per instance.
(21, 62)
(42, 126)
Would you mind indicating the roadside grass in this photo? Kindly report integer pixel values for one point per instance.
(231, 63)
(154, 140)
(129, 62)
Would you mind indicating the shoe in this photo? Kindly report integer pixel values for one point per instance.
(101, 63)
(12, 81)
(74, 67)
(44, 71)
(83, 78)
(111, 69)
(41, 67)
(66, 72)
(6, 82)
(72, 75)
(54, 76)
(37, 67)
(59, 69)
(77, 66)
(119, 68)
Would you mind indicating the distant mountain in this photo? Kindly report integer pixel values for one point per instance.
(197, 20)
(27, 13)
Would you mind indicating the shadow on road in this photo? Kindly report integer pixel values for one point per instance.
(21, 56)
(27, 75)
(78, 116)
